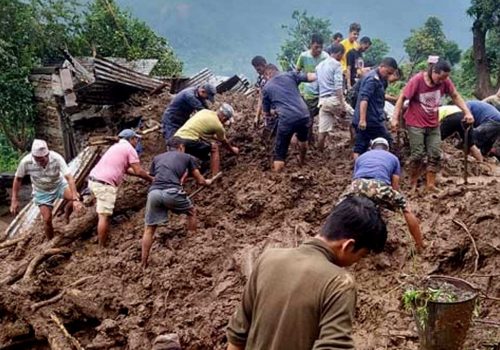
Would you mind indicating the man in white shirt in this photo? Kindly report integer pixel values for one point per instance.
(51, 179)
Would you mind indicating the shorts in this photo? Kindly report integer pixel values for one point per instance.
(161, 201)
(329, 109)
(485, 135)
(425, 142)
(48, 198)
(382, 194)
(198, 148)
(363, 138)
(284, 135)
(105, 196)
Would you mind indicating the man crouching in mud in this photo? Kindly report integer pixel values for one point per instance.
(301, 298)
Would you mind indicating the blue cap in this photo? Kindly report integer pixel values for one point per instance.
(127, 134)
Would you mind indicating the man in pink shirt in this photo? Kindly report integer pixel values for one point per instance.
(108, 173)
(424, 92)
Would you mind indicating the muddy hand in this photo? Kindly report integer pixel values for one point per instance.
(14, 207)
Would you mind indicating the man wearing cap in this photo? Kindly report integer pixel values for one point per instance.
(166, 193)
(51, 179)
(376, 176)
(198, 131)
(108, 173)
(183, 105)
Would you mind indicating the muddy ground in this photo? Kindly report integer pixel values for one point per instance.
(194, 280)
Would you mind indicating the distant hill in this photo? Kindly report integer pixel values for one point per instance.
(225, 34)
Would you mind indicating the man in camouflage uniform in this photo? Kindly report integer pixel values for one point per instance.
(376, 176)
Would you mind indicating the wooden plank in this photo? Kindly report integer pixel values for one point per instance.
(67, 87)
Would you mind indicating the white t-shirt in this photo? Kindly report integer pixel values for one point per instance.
(44, 179)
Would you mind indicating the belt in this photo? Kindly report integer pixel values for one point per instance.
(93, 179)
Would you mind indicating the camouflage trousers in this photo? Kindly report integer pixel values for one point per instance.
(382, 194)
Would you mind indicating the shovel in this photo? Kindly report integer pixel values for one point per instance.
(195, 192)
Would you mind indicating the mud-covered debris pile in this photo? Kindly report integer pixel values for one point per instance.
(195, 280)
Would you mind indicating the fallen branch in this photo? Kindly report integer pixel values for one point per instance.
(462, 225)
(488, 322)
(39, 258)
(68, 336)
(12, 242)
(59, 296)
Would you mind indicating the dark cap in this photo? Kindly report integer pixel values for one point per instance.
(211, 91)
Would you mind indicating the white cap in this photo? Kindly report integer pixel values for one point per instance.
(380, 141)
(39, 148)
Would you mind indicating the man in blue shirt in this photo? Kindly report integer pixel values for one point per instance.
(376, 176)
(331, 98)
(486, 125)
(369, 117)
(183, 105)
(281, 94)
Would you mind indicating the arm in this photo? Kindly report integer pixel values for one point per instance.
(199, 178)
(459, 101)
(16, 186)
(397, 112)
(395, 182)
(391, 98)
(311, 77)
(235, 347)
(258, 111)
(337, 315)
(350, 64)
(138, 171)
(363, 107)
(233, 150)
(72, 186)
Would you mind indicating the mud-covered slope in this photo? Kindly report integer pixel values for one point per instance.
(194, 280)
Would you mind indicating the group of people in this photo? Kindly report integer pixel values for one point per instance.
(336, 85)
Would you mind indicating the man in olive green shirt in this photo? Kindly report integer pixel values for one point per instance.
(301, 298)
(197, 132)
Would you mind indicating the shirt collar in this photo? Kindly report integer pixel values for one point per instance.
(322, 247)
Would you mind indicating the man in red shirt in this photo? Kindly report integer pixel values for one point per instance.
(424, 92)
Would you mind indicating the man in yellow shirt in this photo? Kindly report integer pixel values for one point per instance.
(199, 131)
(351, 42)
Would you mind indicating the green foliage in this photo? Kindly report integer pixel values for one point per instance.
(377, 51)
(299, 37)
(431, 40)
(111, 31)
(33, 32)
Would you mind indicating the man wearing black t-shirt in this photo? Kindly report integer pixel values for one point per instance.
(355, 62)
(166, 193)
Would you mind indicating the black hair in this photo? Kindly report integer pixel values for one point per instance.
(335, 49)
(337, 35)
(389, 62)
(399, 73)
(316, 39)
(271, 67)
(174, 143)
(258, 61)
(354, 27)
(440, 66)
(356, 218)
(365, 40)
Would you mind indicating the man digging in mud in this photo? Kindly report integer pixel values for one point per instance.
(107, 175)
(183, 105)
(51, 179)
(202, 126)
(376, 176)
(282, 94)
(301, 298)
(166, 192)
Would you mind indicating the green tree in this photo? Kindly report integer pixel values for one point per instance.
(430, 40)
(485, 30)
(377, 51)
(299, 37)
(110, 31)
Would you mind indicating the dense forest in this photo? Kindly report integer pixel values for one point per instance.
(225, 35)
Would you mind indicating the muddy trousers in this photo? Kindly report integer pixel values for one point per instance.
(425, 143)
